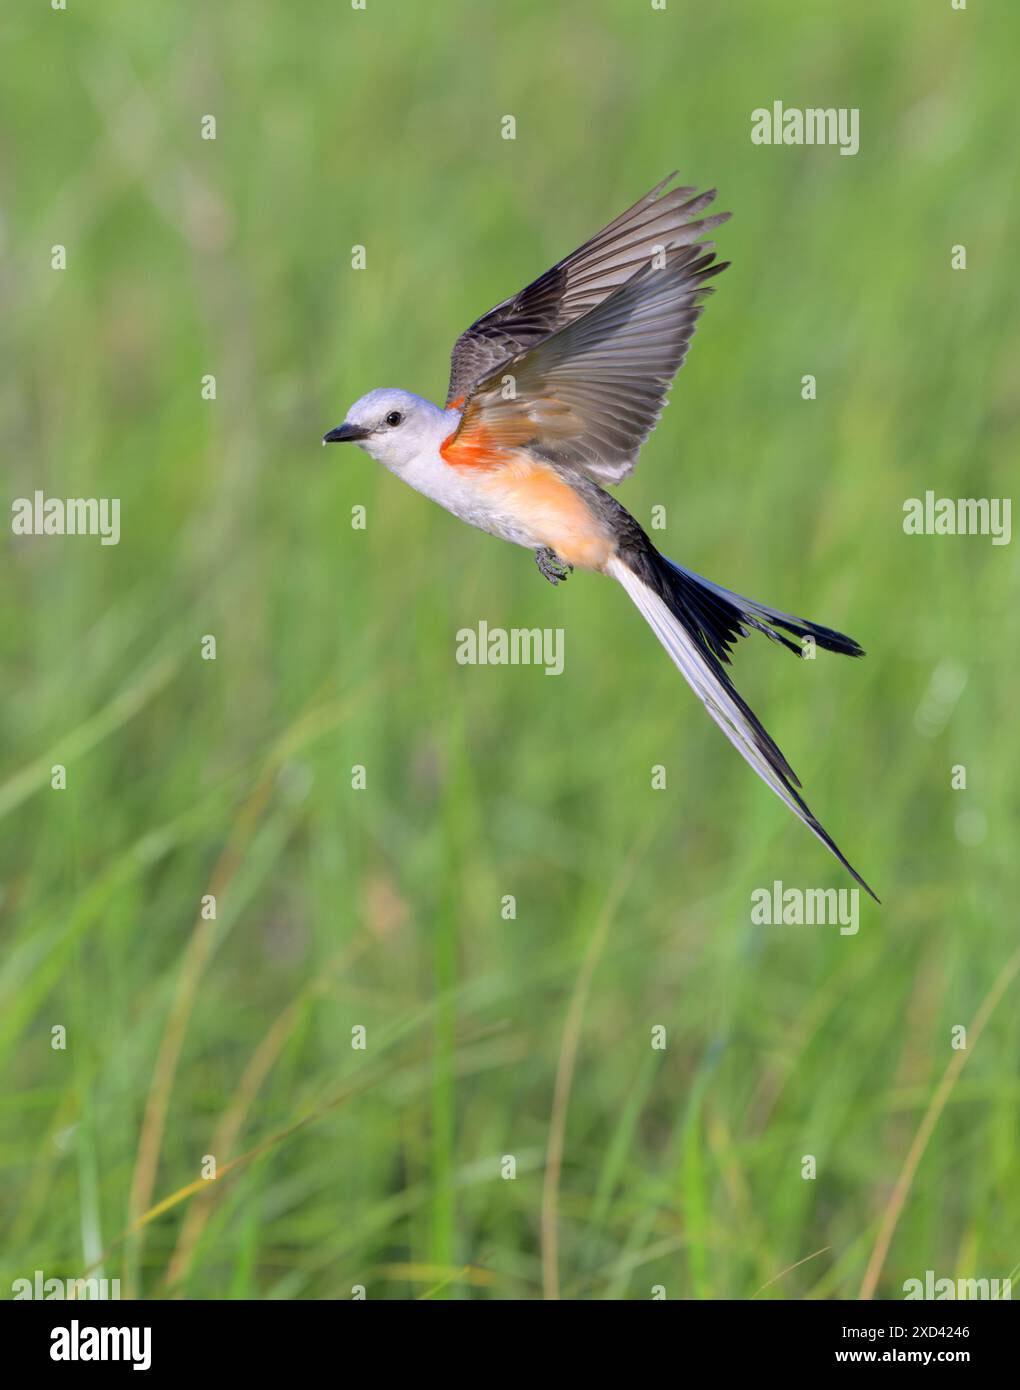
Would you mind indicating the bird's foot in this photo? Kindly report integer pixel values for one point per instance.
(550, 564)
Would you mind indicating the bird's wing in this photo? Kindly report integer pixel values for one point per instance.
(580, 282)
(589, 393)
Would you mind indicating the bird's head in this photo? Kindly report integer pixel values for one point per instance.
(394, 426)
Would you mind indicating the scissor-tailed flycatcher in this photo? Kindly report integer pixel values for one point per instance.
(552, 394)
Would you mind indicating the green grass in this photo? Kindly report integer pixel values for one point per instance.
(381, 907)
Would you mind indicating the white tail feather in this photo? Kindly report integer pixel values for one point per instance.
(710, 686)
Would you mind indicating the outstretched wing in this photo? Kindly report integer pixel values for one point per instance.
(658, 221)
(589, 393)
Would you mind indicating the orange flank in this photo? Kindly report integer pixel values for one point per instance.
(481, 443)
(474, 448)
(558, 515)
(533, 494)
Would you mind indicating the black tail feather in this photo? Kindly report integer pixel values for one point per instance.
(713, 619)
(697, 622)
(720, 617)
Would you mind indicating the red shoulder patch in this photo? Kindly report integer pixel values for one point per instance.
(472, 448)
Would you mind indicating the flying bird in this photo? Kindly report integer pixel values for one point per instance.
(552, 394)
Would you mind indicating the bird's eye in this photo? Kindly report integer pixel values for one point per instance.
(394, 417)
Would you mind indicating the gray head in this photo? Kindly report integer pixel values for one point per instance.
(393, 426)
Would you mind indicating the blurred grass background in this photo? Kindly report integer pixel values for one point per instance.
(382, 907)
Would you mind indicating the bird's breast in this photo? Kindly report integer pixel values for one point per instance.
(523, 500)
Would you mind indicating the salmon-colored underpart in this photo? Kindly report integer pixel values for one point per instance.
(478, 442)
(470, 451)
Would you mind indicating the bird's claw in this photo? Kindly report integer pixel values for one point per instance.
(550, 565)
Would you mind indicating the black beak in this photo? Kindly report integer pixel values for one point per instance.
(344, 433)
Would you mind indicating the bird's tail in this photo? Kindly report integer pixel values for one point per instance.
(698, 622)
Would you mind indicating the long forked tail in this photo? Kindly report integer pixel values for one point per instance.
(697, 622)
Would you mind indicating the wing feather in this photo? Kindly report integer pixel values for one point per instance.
(579, 283)
(589, 394)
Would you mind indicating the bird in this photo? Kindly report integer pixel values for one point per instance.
(551, 396)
